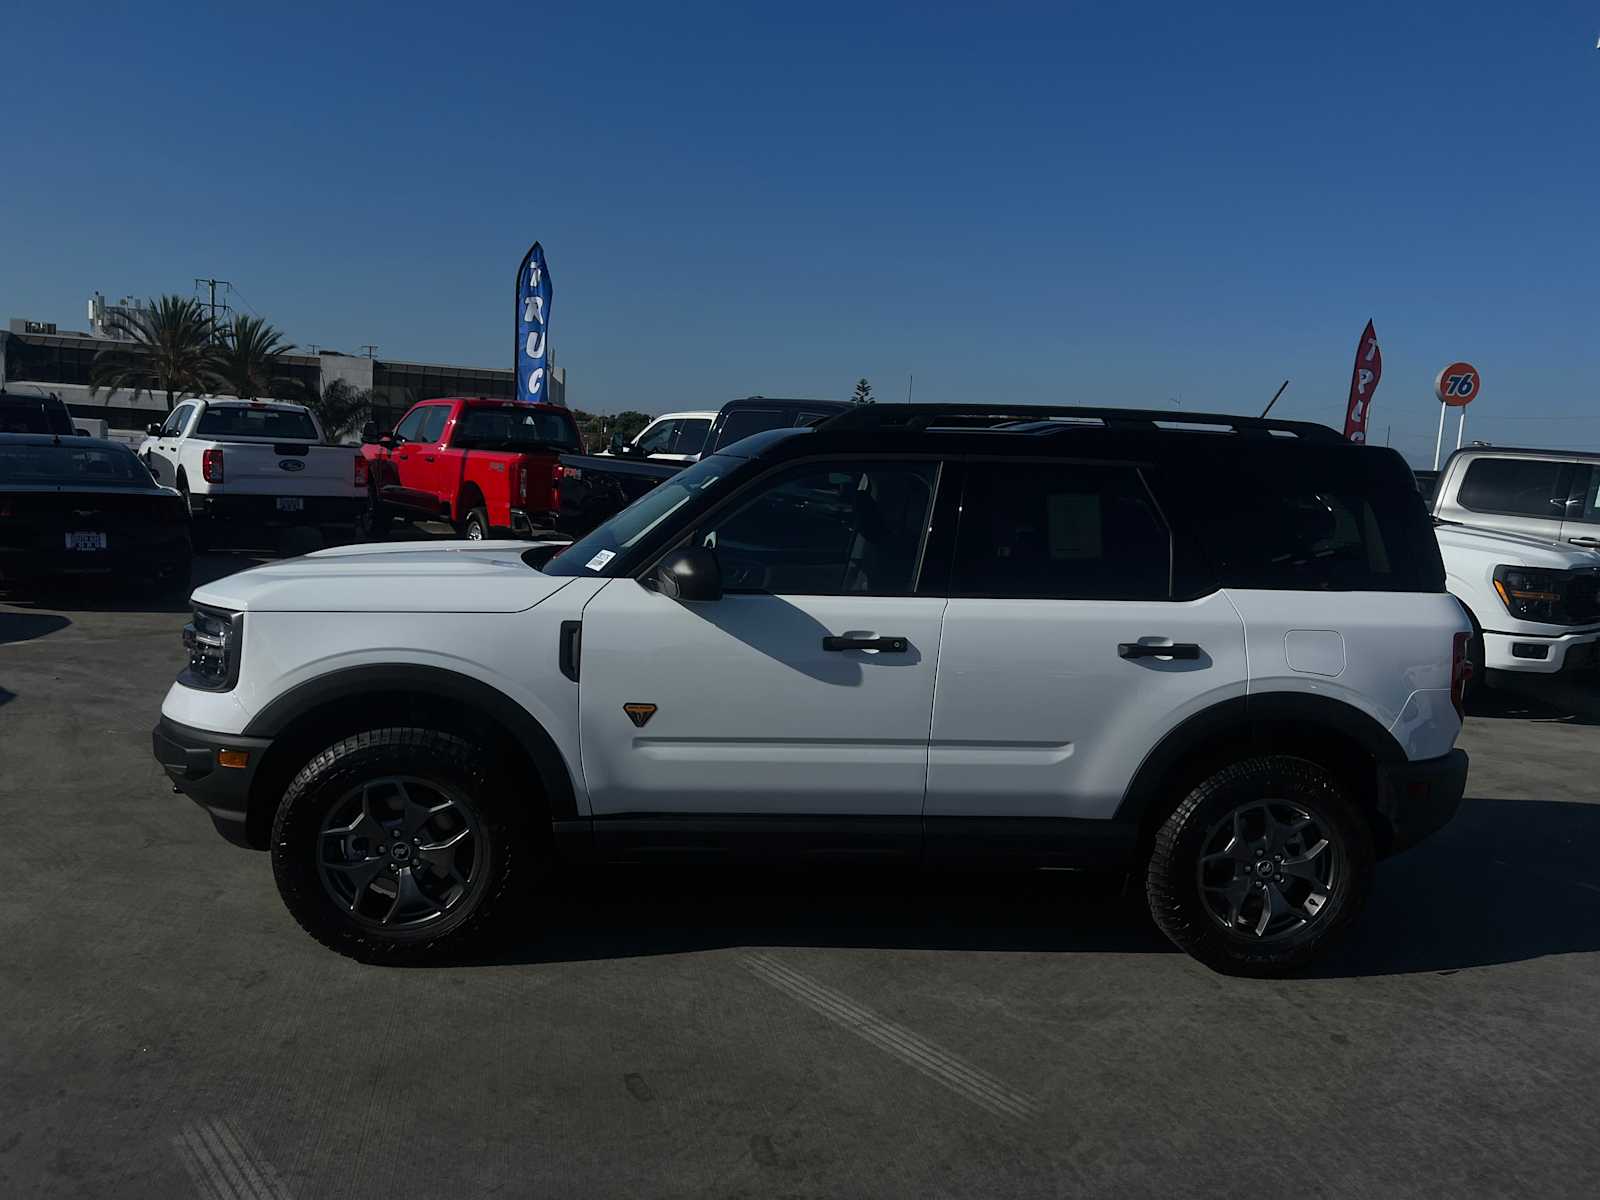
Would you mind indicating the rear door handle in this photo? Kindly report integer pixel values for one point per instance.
(1585, 541)
(1151, 650)
(890, 645)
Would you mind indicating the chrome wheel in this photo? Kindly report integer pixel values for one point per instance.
(399, 852)
(1268, 870)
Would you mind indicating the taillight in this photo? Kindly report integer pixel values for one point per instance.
(361, 471)
(211, 465)
(522, 485)
(1460, 673)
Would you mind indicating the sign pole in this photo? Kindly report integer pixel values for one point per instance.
(1438, 442)
(1456, 386)
(1461, 426)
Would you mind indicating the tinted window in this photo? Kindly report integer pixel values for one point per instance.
(1060, 530)
(1338, 520)
(274, 423)
(433, 420)
(828, 530)
(514, 427)
(690, 436)
(24, 417)
(591, 554)
(176, 420)
(1523, 486)
(92, 465)
(409, 429)
(656, 439)
(745, 421)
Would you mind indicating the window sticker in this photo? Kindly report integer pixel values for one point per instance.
(600, 560)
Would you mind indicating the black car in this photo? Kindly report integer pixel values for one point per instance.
(84, 506)
(592, 488)
(34, 414)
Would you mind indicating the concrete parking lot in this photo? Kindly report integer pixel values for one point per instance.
(167, 1030)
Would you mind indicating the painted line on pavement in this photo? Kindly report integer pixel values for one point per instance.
(985, 1090)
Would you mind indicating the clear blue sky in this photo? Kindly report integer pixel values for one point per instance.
(1099, 203)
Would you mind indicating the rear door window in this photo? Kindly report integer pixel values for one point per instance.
(1527, 487)
(1060, 530)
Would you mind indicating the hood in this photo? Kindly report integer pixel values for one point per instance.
(1514, 549)
(463, 577)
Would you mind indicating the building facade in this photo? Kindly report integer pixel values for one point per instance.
(35, 361)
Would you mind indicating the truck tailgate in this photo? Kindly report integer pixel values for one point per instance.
(288, 469)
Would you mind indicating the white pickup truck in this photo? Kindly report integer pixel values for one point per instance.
(250, 468)
(1534, 603)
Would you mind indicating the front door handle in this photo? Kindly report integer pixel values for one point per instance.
(427, 458)
(1153, 650)
(1587, 542)
(890, 645)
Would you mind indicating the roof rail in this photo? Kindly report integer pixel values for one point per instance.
(916, 417)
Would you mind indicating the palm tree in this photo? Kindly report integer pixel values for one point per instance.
(248, 358)
(169, 347)
(341, 407)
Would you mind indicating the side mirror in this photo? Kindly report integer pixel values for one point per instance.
(153, 429)
(370, 432)
(691, 574)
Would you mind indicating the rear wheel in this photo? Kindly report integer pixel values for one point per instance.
(476, 527)
(398, 845)
(199, 527)
(1260, 866)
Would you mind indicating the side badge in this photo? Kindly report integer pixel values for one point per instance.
(639, 714)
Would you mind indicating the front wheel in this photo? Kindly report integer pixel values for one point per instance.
(1260, 866)
(397, 845)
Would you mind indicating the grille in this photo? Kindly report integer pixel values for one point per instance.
(1582, 600)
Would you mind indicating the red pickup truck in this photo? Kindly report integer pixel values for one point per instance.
(486, 466)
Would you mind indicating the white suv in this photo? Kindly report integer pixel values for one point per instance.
(1222, 655)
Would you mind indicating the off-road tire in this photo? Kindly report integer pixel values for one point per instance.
(474, 775)
(1172, 885)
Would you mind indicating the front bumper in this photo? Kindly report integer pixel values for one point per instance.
(1419, 798)
(189, 757)
(1540, 654)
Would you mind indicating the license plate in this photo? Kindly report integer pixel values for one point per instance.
(290, 503)
(86, 541)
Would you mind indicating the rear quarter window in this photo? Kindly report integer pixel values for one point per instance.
(1341, 520)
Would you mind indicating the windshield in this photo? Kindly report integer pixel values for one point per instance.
(515, 426)
(83, 465)
(278, 424)
(591, 554)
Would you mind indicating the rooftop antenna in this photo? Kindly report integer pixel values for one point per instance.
(910, 379)
(1275, 396)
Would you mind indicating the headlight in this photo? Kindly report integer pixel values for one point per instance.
(211, 641)
(1532, 595)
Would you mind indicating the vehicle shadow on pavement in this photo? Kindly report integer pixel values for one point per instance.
(630, 912)
(1507, 881)
(1558, 700)
(25, 626)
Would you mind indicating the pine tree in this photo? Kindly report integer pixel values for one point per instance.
(863, 393)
